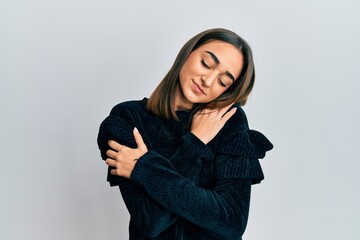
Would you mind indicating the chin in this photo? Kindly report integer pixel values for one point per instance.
(191, 98)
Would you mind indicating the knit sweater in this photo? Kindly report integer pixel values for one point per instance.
(182, 188)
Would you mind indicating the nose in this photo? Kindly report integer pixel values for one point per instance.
(207, 80)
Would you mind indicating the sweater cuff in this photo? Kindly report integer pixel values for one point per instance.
(140, 173)
(196, 148)
(188, 158)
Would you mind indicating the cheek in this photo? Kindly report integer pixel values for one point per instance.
(182, 74)
(216, 92)
(185, 68)
(190, 67)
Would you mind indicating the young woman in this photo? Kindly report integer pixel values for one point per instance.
(185, 158)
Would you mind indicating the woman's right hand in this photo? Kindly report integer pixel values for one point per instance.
(207, 123)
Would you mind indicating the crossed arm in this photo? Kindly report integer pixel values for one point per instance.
(157, 190)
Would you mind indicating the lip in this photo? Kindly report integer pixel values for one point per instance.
(197, 88)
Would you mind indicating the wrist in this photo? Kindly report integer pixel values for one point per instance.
(200, 137)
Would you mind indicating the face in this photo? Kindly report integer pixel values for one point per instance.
(207, 73)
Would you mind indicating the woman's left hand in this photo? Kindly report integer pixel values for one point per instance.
(123, 158)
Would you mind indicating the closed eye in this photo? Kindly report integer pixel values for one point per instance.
(221, 83)
(204, 64)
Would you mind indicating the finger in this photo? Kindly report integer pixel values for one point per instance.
(113, 172)
(229, 114)
(110, 162)
(111, 154)
(114, 145)
(223, 110)
(138, 139)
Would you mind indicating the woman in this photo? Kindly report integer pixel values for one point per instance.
(185, 158)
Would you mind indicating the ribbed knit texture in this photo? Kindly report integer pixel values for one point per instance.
(182, 188)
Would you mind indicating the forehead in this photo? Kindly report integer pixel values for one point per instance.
(229, 56)
(219, 46)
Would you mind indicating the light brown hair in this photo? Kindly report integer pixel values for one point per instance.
(161, 101)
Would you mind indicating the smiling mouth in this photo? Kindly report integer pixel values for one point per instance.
(198, 88)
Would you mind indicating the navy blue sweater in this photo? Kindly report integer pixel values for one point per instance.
(182, 188)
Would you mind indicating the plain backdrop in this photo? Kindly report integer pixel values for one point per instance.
(65, 64)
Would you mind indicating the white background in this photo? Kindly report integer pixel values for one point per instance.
(64, 64)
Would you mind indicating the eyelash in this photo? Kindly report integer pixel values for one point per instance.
(221, 83)
(204, 64)
(207, 67)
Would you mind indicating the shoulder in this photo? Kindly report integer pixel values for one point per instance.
(124, 107)
(119, 118)
(238, 122)
(238, 139)
(118, 125)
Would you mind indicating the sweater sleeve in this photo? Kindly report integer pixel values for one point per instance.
(188, 158)
(149, 217)
(225, 206)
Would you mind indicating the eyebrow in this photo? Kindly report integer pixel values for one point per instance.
(217, 61)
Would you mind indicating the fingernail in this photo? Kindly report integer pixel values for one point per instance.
(135, 129)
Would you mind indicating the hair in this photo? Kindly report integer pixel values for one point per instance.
(161, 101)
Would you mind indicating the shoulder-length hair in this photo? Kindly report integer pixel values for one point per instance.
(161, 101)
